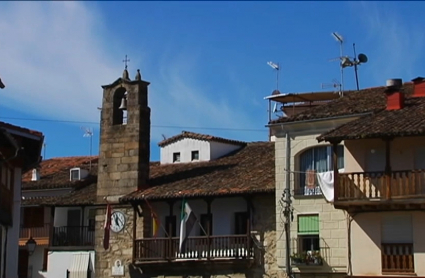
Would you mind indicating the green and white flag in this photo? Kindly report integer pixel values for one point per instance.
(188, 220)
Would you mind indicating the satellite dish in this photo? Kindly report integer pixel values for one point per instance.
(362, 58)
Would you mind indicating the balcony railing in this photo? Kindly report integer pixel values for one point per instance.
(73, 236)
(6, 198)
(397, 258)
(200, 247)
(35, 232)
(378, 185)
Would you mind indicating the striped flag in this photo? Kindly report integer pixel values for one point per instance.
(155, 220)
(188, 220)
(107, 227)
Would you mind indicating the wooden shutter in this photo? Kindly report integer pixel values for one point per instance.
(397, 229)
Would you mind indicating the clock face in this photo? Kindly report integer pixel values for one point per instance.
(117, 221)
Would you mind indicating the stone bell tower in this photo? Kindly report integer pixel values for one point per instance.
(123, 165)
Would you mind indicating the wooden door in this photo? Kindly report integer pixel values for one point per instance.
(23, 263)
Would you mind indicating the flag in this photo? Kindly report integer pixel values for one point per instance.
(155, 220)
(107, 227)
(188, 220)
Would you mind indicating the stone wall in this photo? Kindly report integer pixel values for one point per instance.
(120, 244)
(333, 222)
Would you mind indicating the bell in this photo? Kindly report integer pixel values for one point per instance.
(123, 105)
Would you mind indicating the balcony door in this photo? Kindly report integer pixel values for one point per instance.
(73, 226)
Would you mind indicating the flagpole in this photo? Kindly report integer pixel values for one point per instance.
(156, 217)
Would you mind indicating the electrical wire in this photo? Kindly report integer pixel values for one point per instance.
(155, 126)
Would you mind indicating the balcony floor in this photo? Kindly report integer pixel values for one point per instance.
(416, 203)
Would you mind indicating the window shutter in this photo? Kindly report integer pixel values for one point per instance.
(308, 224)
(397, 229)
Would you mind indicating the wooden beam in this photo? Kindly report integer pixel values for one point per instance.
(388, 168)
(335, 168)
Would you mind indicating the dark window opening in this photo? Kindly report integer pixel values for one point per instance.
(119, 113)
(176, 157)
(195, 155)
(171, 225)
(206, 224)
(33, 217)
(241, 223)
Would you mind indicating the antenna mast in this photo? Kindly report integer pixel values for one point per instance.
(88, 132)
(276, 67)
(339, 38)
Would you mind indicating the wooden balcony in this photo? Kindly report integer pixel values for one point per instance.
(73, 236)
(397, 258)
(199, 248)
(39, 234)
(378, 190)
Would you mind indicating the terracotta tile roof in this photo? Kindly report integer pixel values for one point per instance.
(54, 173)
(248, 170)
(409, 121)
(353, 102)
(198, 136)
(20, 129)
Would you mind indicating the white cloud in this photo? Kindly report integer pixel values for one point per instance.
(54, 56)
(394, 43)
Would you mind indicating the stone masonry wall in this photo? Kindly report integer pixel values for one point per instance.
(120, 244)
(333, 222)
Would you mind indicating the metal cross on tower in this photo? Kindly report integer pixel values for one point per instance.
(125, 61)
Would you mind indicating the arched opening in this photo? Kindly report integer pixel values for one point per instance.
(119, 114)
(314, 160)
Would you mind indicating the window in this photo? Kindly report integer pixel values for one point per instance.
(176, 157)
(92, 220)
(195, 155)
(316, 160)
(241, 223)
(170, 224)
(397, 244)
(33, 217)
(308, 233)
(74, 174)
(206, 223)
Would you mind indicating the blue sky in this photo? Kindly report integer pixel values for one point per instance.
(206, 61)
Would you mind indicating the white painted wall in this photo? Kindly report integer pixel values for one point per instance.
(222, 209)
(366, 243)
(185, 147)
(12, 244)
(60, 261)
(219, 149)
(35, 262)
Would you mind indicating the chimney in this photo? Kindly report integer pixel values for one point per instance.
(35, 175)
(418, 87)
(395, 98)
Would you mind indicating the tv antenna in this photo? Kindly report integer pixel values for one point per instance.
(88, 132)
(335, 84)
(276, 67)
(340, 39)
(44, 150)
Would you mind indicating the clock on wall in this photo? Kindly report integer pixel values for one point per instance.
(117, 221)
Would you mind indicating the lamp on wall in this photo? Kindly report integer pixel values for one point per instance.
(31, 244)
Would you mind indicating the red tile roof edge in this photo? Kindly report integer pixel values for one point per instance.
(199, 136)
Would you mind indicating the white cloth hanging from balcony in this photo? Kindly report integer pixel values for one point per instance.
(326, 183)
